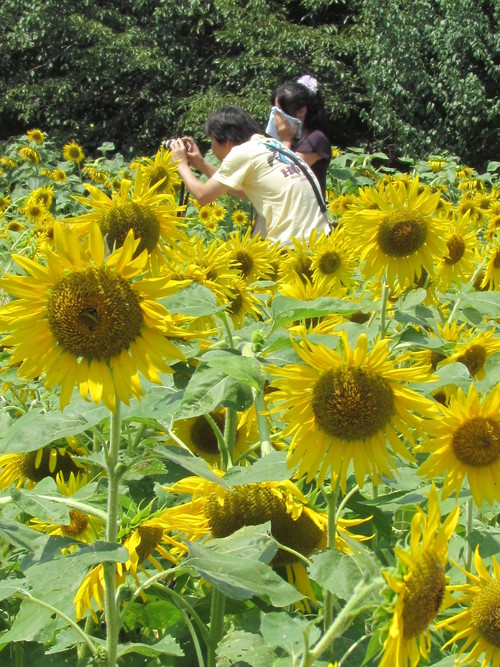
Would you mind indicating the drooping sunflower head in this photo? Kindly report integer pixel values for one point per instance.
(29, 154)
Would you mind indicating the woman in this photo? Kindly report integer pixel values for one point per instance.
(302, 101)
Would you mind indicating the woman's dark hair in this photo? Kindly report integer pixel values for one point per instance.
(231, 123)
(292, 96)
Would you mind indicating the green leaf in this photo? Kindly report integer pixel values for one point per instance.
(160, 614)
(195, 300)
(245, 369)
(248, 542)
(270, 468)
(486, 303)
(9, 588)
(241, 578)
(209, 388)
(336, 571)
(285, 309)
(34, 504)
(244, 648)
(194, 464)
(287, 632)
(166, 646)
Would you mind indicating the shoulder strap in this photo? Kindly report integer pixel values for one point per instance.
(303, 166)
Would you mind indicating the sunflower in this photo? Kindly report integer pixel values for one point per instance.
(253, 256)
(141, 543)
(217, 512)
(57, 175)
(419, 585)
(5, 202)
(55, 460)
(459, 260)
(37, 136)
(332, 258)
(161, 170)
(96, 175)
(151, 216)
(8, 162)
(43, 195)
(239, 218)
(342, 410)
(211, 226)
(72, 152)
(465, 441)
(491, 279)
(479, 622)
(399, 233)
(86, 321)
(218, 212)
(29, 154)
(242, 303)
(35, 211)
(475, 351)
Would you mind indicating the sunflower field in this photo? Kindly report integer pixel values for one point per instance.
(216, 451)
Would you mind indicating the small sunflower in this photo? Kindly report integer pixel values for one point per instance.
(5, 202)
(465, 441)
(475, 351)
(205, 214)
(141, 543)
(398, 233)
(211, 226)
(479, 622)
(420, 586)
(161, 170)
(340, 410)
(459, 260)
(332, 258)
(72, 152)
(29, 154)
(491, 278)
(55, 460)
(218, 512)
(151, 216)
(37, 136)
(242, 303)
(82, 527)
(35, 211)
(218, 212)
(8, 162)
(239, 218)
(253, 256)
(90, 322)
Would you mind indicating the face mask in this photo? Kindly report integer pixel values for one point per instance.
(291, 120)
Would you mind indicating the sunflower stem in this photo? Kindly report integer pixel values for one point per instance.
(111, 606)
(353, 606)
(383, 308)
(216, 625)
(470, 520)
(331, 499)
(225, 453)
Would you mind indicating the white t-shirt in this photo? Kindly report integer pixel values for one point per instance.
(277, 188)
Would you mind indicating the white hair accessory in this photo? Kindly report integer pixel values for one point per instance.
(309, 82)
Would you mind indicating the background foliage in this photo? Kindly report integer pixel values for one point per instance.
(404, 77)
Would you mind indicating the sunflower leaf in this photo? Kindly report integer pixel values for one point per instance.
(195, 300)
(166, 646)
(209, 388)
(246, 369)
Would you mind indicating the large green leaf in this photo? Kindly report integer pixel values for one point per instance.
(166, 646)
(241, 578)
(287, 632)
(245, 369)
(195, 300)
(336, 571)
(270, 468)
(285, 309)
(194, 464)
(210, 388)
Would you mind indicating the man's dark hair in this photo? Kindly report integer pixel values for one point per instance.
(231, 123)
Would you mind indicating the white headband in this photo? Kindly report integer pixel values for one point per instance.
(309, 82)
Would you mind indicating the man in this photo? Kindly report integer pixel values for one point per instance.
(251, 168)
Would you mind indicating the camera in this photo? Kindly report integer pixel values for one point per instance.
(166, 144)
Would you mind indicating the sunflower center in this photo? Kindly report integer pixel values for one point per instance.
(456, 249)
(202, 434)
(329, 262)
(252, 504)
(477, 441)
(77, 524)
(303, 267)
(424, 591)
(236, 304)
(94, 313)
(36, 468)
(157, 174)
(151, 537)
(401, 234)
(359, 317)
(474, 358)
(116, 223)
(485, 613)
(245, 263)
(351, 403)
(435, 358)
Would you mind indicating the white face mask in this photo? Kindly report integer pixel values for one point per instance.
(291, 120)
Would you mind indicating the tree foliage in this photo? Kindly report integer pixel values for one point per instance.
(405, 77)
(432, 75)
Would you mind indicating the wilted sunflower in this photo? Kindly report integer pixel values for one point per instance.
(37, 136)
(465, 441)
(29, 154)
(90, 322)
(401, 235)
(72, 152)
(491, 279)
(420, 586)
(151, 216)
(217, 511)
(54, 460)
(57, 175)
(253, 256)
(343, 409)
(161, 168)
(479, 622)
(141, 543)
